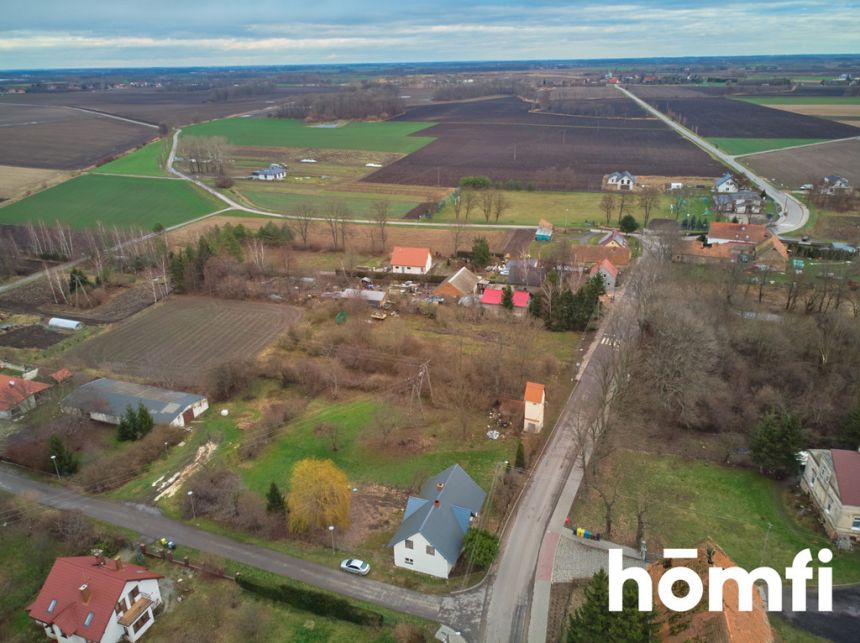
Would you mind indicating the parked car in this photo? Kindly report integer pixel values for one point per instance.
(355, 566)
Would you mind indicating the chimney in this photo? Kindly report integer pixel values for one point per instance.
(11, 382)
(436, 503)
(440, 486)
(118, 562)
(85, 593)
(99, 556)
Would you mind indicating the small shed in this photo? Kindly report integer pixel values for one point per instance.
(374, 298)
(461, 283)
(535, 401)
(544, 231)
(65, 324)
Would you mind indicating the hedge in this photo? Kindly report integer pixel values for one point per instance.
(312, 601)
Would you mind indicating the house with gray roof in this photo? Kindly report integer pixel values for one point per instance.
(274, 172)
(430, 538)
(726, 184)
(106, 400)
(621, 181)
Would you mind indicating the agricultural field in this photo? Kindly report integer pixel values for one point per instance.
(63, 139)
(793, 168)
(87, 200)
(280, 132)
(599, 101)
(502, 139)
(744, 146)
(181, 339)
(147, 161)
(359, 203)
(19, 181)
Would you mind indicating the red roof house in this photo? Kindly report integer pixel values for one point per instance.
(61, 376)
(96, 599)
(17, 396)
(608, 271)
(494, 296)
(414, 261)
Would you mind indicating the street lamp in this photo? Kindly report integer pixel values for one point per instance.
(56, 468)
(331, 531)
(193, 510)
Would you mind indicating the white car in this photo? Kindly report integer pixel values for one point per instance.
(355, 566)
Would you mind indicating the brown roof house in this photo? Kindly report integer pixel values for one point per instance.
(535, 404)
(832, 480)
(729, 625)
(725, 232)
(772, 253)
(586, 255)
(17, 396)
(461, 283)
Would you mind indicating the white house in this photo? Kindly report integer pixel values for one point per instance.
(430, 538)
(535, 402)
(89, 598)
(833, 184)
(274, 172)
(621, 181)
(725, 184)
(411, 261)
(832, 480)
(608, 271)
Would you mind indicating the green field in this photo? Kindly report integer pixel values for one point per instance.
(147, 161)
(86, 200)
(801, 100)
(359, 203)
(693, 500)
(281, 132)
(737, 146)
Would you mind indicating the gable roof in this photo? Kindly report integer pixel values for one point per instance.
(543, 224)
(61, 376)
(617, 176)
(409, 257)
(613, 235)
(743, 232)
(494, 296)
(846, 464)
(525, 272)
(833, 179)
(14, 390)
(773, 242)
(441, 514)
(725, 178)
(586, 254)
(105, 583)
(463, 281)
(534, 392)
(695, 248)
(606, 265)
(113, 397)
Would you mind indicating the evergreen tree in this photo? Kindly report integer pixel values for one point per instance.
(508, 298)
(536, 305)
(520, 459)
(775, 443)
(144, 422)
(628, 223)
(275, 500)
(480, 547)
(127, 430)
(849, 433)
(593, 621)
(66, 460)
(480, 252)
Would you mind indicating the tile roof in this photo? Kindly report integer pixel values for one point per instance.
(586, 254)
(62, 375)
(608, 266)
(744, 232)
(410, 257)
(113, 397)
(493, 297)
(463, 281)
(443, 525)
(105, 583)
(846, 464)
(14, 390)
(534, 392)
(776, 244)
(695, 248)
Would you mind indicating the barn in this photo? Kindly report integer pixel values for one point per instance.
(106, 400)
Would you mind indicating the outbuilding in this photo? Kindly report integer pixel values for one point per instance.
(411, 261)
(17, 396)
(65, 324)
(535, 402)
(461, 283)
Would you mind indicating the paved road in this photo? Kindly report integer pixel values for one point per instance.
(841, 625)
(794, 213)
(149, 522)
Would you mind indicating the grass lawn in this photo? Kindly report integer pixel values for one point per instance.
(281, 132)
(566, 209)
(354, 420)
(87, 200)
(689, 501)
(359, 203)
(737, 146)
(801, 100)
(149, 160)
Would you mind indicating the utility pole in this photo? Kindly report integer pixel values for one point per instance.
(56, 468)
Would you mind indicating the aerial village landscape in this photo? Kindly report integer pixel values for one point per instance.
(400, 352)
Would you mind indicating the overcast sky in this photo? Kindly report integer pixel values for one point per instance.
(98, 33)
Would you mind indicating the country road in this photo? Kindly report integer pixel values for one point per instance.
(794, 213)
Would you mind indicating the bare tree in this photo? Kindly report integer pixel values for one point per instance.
(488, 199)
(457, 205)
(501, 204)
(607, 206)
(608, 496)
(623, 197)
(305, 212)
(380, 212)
(470, 201)
(649, 198)
(335, 215)
(456, 232)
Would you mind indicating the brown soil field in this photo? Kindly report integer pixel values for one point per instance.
(600, 101)
(19, 181)
(724, 117)
(64, 139)
(180, 340)
(30, 337)
(801, 165)
(502, 139)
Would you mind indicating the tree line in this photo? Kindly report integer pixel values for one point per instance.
(380, 102)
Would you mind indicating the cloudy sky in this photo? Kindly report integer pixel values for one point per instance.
(99, 33)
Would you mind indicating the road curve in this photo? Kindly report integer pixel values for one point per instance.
(149, 522)
(794, 213)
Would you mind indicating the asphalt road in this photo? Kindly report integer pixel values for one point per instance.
(149, 522)
(841, 625)
(794, 213)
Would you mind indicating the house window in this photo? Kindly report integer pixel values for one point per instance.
(52, 606)
(827, 508)
(855, 523)
(133, 594)
(409, 544)
(119, 608)
(431, 551)
(139, 623)
(408, 561)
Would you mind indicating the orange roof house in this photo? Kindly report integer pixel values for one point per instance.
(773, 253)
(17, 396)
(410, 260)
(586, 255)
(724, 232)
(535, 402)
(61, 376)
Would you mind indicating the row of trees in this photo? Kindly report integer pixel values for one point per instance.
(382, 101)
(477, 193)
(464, 90)
(564, 308)
(205, 154)
(617, 203)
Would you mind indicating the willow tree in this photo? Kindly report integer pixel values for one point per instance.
(319, 495)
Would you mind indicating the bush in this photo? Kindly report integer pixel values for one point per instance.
(628, 223)
(228, 379)
(475, 182)
(480, 547)
(313, 601)
(223, 181)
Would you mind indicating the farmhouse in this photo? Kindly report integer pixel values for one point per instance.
(492, 299)
(411, 261)
(621, 181)
(743, 202)
(430, 538)
(606, 270)
(374, 298)
(89, 598)
(832, 480)
(17, 396)
(274, 172)
(524, 272)
(694, 251)
(587, 256)
(772, 253)
(544, 231)
(613, 239)
(535, 403)
(725, 184)
(835, 185)
(724, 232)
(461, 283)
(106, 400)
